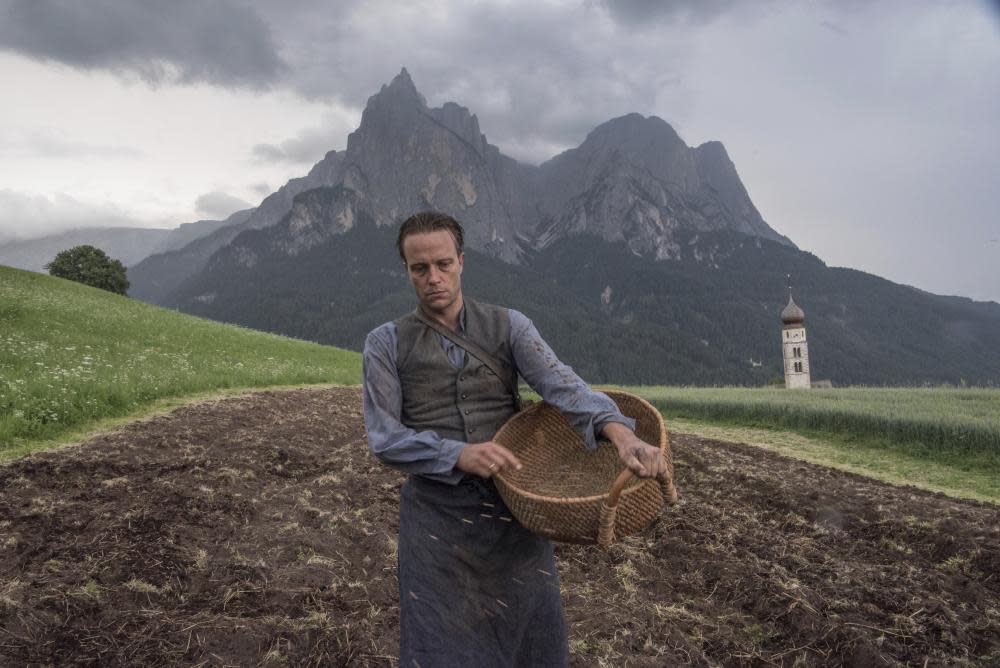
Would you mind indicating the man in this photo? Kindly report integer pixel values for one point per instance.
(476, 588)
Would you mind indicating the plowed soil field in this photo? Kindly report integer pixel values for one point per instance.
(259, 530)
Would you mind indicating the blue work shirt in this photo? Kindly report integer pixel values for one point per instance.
(427, 454)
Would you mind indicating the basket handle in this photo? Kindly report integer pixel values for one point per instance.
(668, 490)
(609, 508)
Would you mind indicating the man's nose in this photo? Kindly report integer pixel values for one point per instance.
(434, 275)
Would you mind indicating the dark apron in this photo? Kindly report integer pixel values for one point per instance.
(476, 589)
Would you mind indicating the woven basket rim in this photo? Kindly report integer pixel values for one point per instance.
(568, 500)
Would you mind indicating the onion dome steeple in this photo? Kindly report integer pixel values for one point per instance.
(792, 314)
(794, 348)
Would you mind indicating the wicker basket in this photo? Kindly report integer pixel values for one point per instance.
(567, 493)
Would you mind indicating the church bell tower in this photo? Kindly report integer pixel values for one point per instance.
(794, 348)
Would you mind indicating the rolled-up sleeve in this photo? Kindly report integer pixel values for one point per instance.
(394, 444)
(586, 410)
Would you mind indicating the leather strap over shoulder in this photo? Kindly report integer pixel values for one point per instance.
(491, 363)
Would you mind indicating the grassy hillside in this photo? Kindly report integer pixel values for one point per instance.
(72, 355)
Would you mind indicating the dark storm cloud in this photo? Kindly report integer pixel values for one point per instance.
(835, 112)
(539, 76)
(181, 41)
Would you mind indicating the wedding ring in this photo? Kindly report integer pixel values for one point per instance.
(492, 466)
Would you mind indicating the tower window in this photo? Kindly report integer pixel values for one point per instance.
(798, 366)
(797, 351)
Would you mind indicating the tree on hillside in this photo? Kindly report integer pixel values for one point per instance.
(90, 266)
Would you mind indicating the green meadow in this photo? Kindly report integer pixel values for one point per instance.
(945, 439)
(74, 357)
(961, 420)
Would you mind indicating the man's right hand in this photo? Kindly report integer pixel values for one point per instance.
(486, 459)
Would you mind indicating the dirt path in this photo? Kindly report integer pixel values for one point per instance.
(259, 531)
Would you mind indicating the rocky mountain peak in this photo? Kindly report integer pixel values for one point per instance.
(405, 157)
(462, 122)
(636, 132)
(647, 142)
(387, 123)
(401, 91)
(633, 179)
(389, 115)
(326, 171)
(714, 150)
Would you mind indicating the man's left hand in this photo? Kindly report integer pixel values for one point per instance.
(645, 460)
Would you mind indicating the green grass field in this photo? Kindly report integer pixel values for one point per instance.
(943, 439)
(962, 420)
(72, 356)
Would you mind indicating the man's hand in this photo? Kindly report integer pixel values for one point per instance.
(485, 459)
(645, 460)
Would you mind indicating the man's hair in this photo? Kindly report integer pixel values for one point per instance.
(430, 221)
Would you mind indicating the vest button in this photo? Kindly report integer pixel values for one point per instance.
(461, 378)
(465, 396)
(467, 411)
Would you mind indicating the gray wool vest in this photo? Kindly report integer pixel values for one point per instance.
(468, 404)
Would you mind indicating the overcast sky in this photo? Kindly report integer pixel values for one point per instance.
(866, 131)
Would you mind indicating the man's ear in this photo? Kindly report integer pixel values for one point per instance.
(461, 262)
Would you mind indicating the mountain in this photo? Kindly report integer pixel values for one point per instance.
(634, 180)
(157, 276)
(641, 259)
(185, 233)
(403, 157)
(710, 315)
(726, 289)
(339, 288)
(406, 157)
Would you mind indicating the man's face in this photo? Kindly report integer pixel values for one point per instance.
(435, 268)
